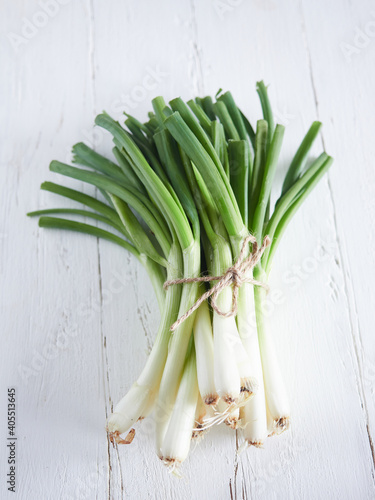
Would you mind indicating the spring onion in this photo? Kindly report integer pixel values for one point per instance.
(183, 194)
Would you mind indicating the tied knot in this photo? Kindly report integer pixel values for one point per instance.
(234, 276)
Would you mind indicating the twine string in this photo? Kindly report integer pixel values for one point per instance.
(235, 275)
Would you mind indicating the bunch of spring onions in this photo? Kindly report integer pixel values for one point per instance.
(185, 193)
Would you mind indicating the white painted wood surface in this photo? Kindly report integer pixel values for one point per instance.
(77, 317)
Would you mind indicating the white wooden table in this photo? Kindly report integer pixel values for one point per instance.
(77, 315)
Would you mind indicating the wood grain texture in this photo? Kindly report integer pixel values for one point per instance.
(77, 315)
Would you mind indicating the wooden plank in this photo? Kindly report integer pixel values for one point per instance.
(343, 83)
(49, 279)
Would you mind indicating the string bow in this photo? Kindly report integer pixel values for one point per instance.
(234, 276)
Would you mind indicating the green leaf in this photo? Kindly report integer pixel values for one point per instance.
(212, 178)
(130, 176)
(267, 110)
(201, 115)
(186, 115)
(235, 114)
(239, 161)
(170, 158)
(293, 192)
(287, 217)
(137, 234)
(220, 144)
(249, 130)
(171, 209)
(267, 180)
(83, 155)
(258, 169)
(135, 200)
(84, 213)
(223, 114)
(80, 227)
(300, 157)
(85, 199)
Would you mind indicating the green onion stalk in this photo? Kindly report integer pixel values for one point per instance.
(231, 199)
(232, 370)
(225, 230)
(298, 183)
(165, 198)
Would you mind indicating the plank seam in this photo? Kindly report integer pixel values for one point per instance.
(197, 71)
(344, 269)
